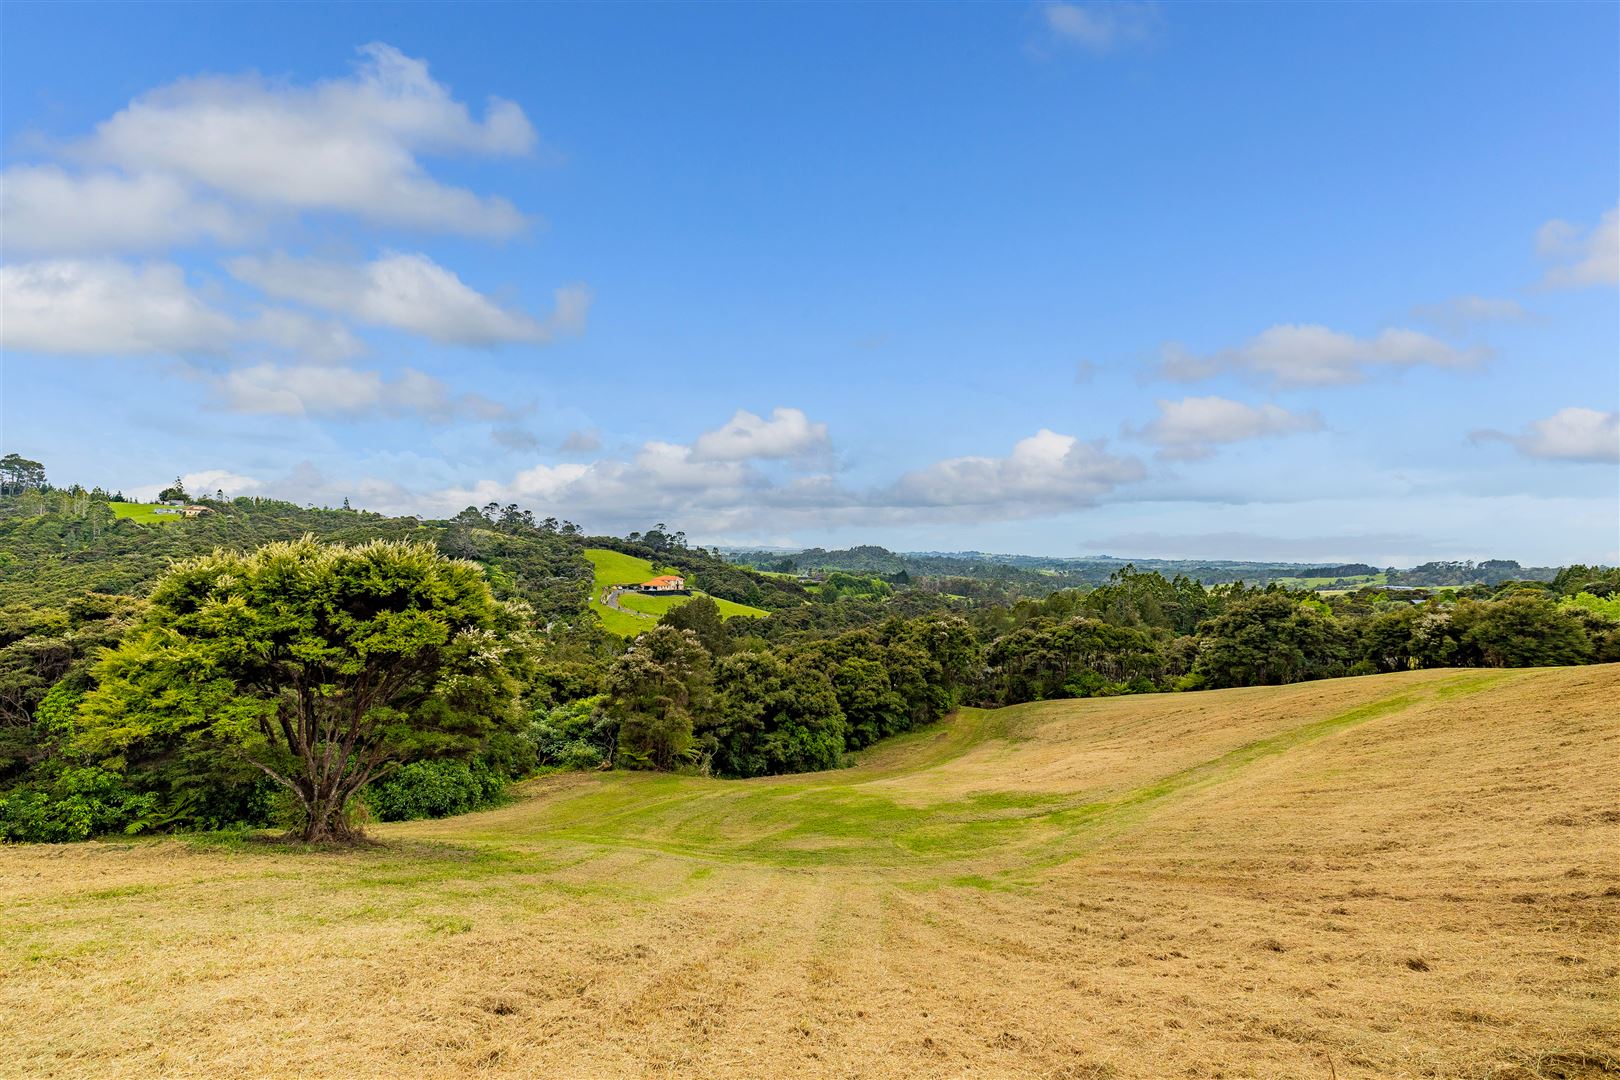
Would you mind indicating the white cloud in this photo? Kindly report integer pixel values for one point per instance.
(1102, 27)
(210, 481)
(90, 307)
(1046, 470)
(1572, 434)
(349, 145)
(409, 292)
(105, 307)
(320, 390)
(1188, 429)
(1581, 257)
(323, 340)
(1461, 312)
(1313, 355)
(789, 433)
(1045, 473)
(44, 209)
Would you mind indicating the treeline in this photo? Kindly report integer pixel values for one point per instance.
(684, 695)
(1142, 633)
(841, 662)
(60, 544)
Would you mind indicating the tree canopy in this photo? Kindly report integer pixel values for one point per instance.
(323, 666)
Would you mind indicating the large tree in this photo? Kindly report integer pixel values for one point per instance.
(657, 688)
(1271, 638)
(323, 666)
(19, 474)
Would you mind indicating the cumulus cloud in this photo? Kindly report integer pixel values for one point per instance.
(1314, 355)
(321, 390)
(229, 160)
(1572, 434)
(209, 481)
(322, 340)
(1581, 257)
(350, 145)
(411, 293)
(1189, 429)
(1102, 27)
(1047, 470)
(105, 307)
(1045, 473)
(789, 433)
(46, 209)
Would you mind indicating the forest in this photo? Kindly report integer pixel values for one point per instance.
(265, 664)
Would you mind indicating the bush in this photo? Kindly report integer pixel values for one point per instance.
(76, 804)
(434, 789)
(576, 735)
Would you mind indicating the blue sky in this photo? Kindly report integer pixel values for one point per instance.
(1309, 282)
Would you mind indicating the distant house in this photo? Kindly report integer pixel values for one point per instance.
(167, 509)
(195, 511)
(664, 585)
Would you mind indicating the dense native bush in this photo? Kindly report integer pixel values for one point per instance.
(771, 715)
(579, 734)
(1270, 639)
(1079, 657)
(435, 789)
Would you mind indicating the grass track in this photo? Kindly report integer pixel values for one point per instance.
(1394, 876)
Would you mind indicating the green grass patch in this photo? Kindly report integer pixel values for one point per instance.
(143, 513)
(610, 568)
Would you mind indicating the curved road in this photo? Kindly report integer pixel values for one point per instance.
(610, 598)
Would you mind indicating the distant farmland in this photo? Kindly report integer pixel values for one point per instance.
(1392, 876)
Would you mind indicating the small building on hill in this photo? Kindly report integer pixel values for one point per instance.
(664, 585)
(195, 511)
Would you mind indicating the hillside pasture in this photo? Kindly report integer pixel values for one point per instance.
(143, 513)
(613, 568)
(1408, 875)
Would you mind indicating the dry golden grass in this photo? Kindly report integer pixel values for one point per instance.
(1402, 876)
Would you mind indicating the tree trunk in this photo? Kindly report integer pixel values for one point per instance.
(325, 820)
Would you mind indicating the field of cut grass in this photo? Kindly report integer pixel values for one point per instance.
(143, 513)
(1409, 875)
(615, 568)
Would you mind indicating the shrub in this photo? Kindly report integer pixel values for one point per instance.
(78, 803)
(434, 789)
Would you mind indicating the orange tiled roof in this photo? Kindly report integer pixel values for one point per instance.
(666, 579)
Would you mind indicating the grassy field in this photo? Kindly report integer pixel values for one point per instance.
(1352, 581)
(144, 513)
(1409, 875)
(615, 568)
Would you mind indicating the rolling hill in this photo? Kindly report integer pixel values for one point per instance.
(1391, 876)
